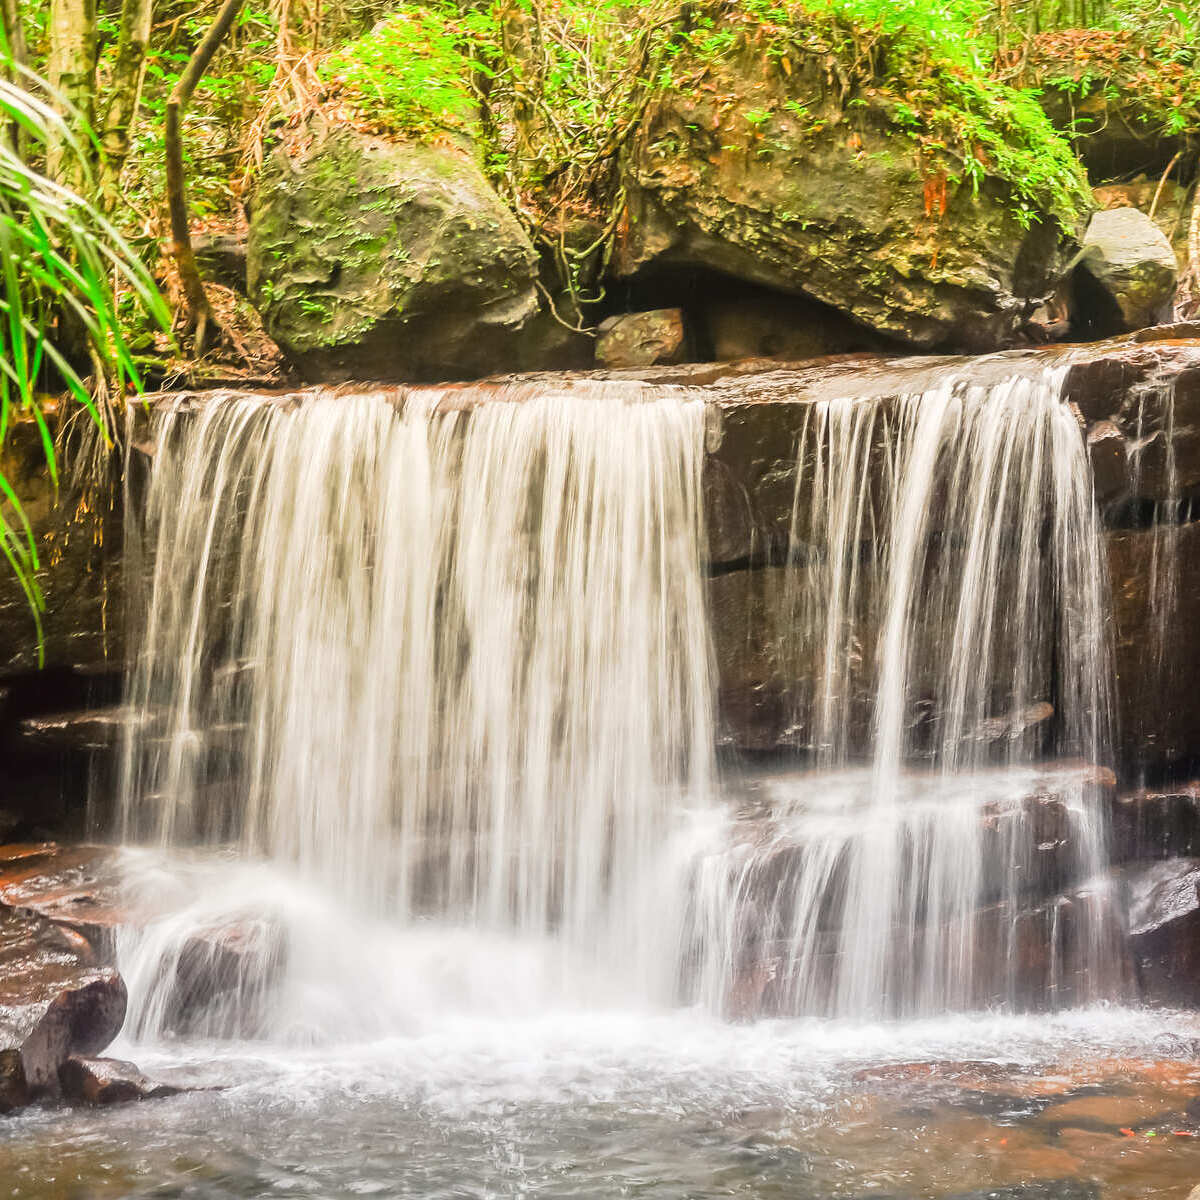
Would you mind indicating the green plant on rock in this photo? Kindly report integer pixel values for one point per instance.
(552, 91)
(411, 74)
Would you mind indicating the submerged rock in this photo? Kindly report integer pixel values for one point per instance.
(105, 1081)
(373, 259)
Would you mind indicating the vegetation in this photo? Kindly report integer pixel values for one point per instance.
(59, 258)
(548, 93)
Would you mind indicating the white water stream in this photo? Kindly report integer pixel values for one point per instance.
(425, 688)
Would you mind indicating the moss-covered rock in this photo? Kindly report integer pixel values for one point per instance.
(771, 177)
(372, 258)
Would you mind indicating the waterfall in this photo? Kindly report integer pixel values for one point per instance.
(948, 632)
(445, 660)
(441, 657)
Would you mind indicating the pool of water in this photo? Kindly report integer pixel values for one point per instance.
(655, 1105)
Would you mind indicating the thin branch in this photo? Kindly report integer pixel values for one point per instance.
(199, 313)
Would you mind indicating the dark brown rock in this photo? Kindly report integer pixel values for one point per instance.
(85, 731)
(75, 887)
(641, 339)
(223, 979)
(1109, 454)
(1163, 905)
(1031, 956)
(1156, 823)
(756, 685)
(1155, 579)
(54, 1002)
(103, 1081)
(743, 323)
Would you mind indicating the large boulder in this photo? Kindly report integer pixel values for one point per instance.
(1129, 260)
(761, 175)
(54, 1002)
(376, 259)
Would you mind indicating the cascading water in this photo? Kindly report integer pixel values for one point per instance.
(446, 662)
(440, 659)
(948, 629)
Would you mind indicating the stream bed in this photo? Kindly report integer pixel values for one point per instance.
(668, 1106)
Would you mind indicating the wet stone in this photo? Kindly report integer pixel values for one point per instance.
(74, 887)
(105, 1081)
(223, 978)
(1108, 1114)
(54, 1002)
(1163, 904)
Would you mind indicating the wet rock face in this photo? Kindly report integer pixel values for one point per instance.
(1163, 903)
(823, 207)
(59, 994)
(78, 539)
(54, 1002)
(75, 888)
(223, 979)
(1155, 576)
(1129, 258)
(370, 259)
(78, 534)
(1156, 823)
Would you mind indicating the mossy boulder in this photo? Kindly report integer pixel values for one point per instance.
(375, 259)
(773, 178)
(1129, 258)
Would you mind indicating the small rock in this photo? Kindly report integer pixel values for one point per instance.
(1129, 257)
(641, 339)
(108, 1081)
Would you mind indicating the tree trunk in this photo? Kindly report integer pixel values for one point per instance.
(14, 41)
(129, 72)
(198, 313)
(71, 73)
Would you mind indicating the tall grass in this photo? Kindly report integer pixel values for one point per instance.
(61, 267)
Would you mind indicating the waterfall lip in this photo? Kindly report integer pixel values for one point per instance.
(761, 379)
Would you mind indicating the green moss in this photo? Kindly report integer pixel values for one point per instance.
(921, 68)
